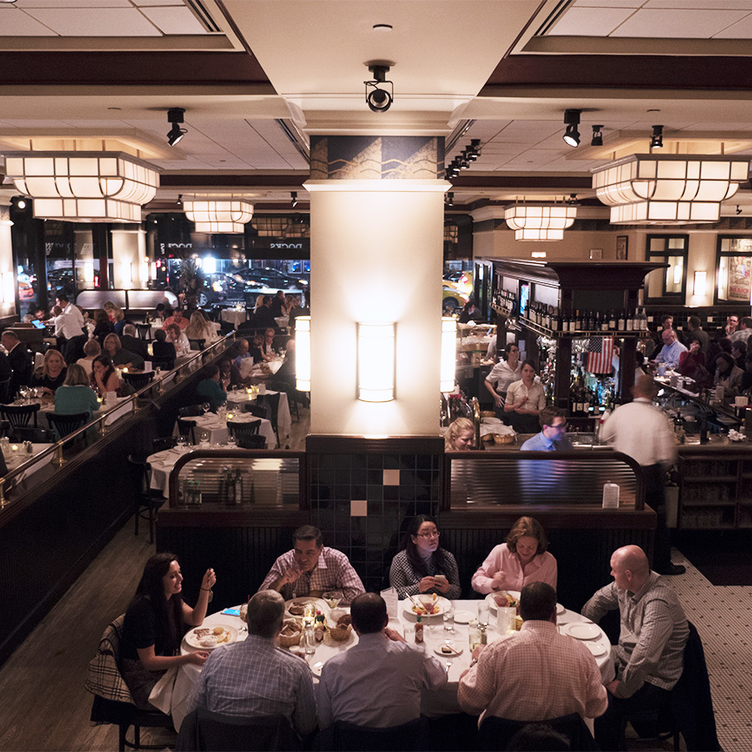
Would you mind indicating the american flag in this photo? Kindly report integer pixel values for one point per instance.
(600, 353)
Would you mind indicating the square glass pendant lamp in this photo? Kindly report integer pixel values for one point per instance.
(83, 186)
(668, 189)
(214, 215)
(376, 362)
(540, 221)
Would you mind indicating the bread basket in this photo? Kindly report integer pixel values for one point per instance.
(341, 632)
(294, 639)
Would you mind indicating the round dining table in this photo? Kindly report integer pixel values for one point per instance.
(172, 692)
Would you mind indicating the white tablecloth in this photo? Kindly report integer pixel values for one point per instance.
(172, 692)
(255, 370)
(211, 429)
(239, 397)
(233, 316)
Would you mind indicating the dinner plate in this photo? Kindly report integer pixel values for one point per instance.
(560, 609)
(320, 604)
(492, 603)
(193, 641)
(457, 649)
(316, 668)
(596, 648)
(581, 630)
(441, 602)
(463, 617)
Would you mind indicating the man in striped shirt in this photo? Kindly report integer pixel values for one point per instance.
(311, 569)
(650, 654)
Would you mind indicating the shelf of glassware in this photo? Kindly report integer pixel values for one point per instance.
(473, 341)
(581, 333)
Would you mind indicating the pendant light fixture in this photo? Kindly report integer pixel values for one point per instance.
(216, 214)
(540, 221)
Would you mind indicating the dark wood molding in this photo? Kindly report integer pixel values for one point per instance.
(193, 69)
(661, 72)
(324, 444)
(245, 180)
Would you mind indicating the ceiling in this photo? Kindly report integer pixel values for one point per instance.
(259, 77)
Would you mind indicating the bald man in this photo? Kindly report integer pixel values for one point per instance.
(654, 631)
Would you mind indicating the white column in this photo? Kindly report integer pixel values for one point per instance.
(376, 256)
(130, 265)
(7, 272)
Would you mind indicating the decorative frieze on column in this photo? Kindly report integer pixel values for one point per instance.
(376, 158)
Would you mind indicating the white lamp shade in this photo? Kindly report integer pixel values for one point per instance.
(303, 353)
(540, 222)
(668, 188)
(218, 215)
(84, 186)
(376, 362)
(447, 372)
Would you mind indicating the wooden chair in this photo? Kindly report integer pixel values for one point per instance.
(204, 731)
(244, 434)
(272, 402)
(5, 395)
(197, 344)
(138, 380)
(63, 425)
(144, 331)
(348, 736)
(190, 411)
(162, 443)
(20, 415)
(260, 411)
(495, 733)
(187, 429)
(147, 499)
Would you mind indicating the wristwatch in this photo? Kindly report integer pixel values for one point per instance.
(473, 662)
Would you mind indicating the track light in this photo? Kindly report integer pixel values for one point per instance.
(379, 99)
(597, 139)
(179, 202)
(572, 200)
(293, 199)
(738, 208)
(656, 142)
(449, 199)
(175, 116)
(572, 120)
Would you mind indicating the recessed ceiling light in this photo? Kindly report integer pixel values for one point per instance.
(382, 27)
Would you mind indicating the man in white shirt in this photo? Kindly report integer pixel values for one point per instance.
(641, 430)
(378, 682)
(69, 328)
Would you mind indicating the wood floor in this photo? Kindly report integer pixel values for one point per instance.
(43, 703)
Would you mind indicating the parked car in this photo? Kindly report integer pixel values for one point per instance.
(221, 288)
(271, 279)
(453, 297)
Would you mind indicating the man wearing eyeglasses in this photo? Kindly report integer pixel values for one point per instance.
(552, 437)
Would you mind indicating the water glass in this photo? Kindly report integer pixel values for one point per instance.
(448, 619)
(483, 612)
(473, 635)
(309, 641)
(408, 632)
(505, 619)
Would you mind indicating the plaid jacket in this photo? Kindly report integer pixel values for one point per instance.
(104, 677)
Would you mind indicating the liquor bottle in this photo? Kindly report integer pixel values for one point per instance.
(590, 322)
(622, 325)
(556, 320)
(612, 321)
(604, 323)
(630, 323)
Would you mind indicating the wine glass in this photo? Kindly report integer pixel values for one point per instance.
(332, 598)
(205, 406)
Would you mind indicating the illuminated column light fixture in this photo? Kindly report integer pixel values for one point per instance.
(9, 287)
(303, 353)
(227, 215)
(447, 372)
(666, 189)
(540, 222)
(83, 186)
(700, 284)
(126, 274)
(88, 271)
(376, 362)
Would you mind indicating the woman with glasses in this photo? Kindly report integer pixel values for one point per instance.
(522, 559)
(506, 371)
(423, 566)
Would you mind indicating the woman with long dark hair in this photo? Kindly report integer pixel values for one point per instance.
(104, 377)
(155, 623)
(423, 566)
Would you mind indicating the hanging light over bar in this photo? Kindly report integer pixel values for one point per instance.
(228, 215)
(540, 221)
(83, 186)
(666, 189)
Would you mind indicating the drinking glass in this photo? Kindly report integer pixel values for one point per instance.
(473, 635)
(309, 641)
(504, 619)
(408, 632)
(448, 619)
(483, 612)
(332, 598)
(205, 406)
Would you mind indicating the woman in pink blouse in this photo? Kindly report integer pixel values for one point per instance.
(522, 559)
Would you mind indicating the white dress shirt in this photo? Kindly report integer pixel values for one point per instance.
(377, 683)
(503, 375)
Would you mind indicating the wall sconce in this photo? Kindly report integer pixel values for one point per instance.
(376, 362)
(448, 354)
(701, 279)
(88, 271)
(303, 353)
(9, 287)
(126, 273)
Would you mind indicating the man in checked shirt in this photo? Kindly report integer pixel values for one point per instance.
(312, 568)
(650, 654)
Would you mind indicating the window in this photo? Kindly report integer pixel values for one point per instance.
(669, 283)
(734, 270)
